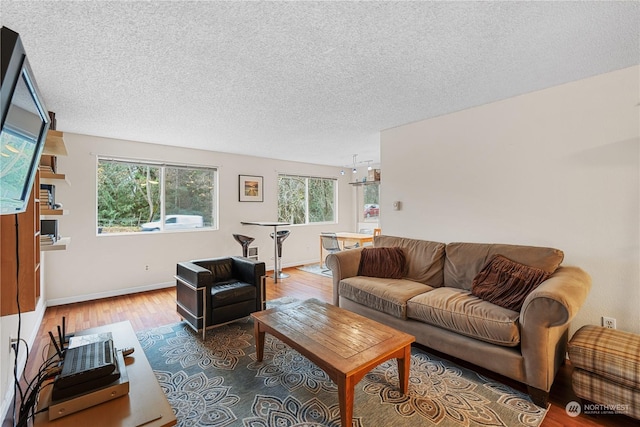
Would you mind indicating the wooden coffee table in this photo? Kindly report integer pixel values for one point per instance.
(345, 345)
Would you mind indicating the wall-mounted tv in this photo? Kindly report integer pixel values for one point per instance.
(25, 122)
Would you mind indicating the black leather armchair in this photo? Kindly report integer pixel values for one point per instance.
(215, 291)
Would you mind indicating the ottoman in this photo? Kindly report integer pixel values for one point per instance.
(606, 370)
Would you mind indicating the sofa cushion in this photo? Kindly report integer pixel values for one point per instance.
(464, 261)
(231, 292)
(382, 262)
(507, 283)
(386, 295)
(459, 311)
(424, 259)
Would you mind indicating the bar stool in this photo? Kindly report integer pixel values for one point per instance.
(244, 241)
(282, 235)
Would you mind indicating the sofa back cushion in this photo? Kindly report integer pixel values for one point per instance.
(424, 260)
(464, 261)
(220, 268)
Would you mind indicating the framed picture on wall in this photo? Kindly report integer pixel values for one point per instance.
(250, 188)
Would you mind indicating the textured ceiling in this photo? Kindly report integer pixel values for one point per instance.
(303, 81)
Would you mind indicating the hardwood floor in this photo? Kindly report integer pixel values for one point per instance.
(149, 309)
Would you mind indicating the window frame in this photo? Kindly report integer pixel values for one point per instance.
(306, 197)
(215, 208)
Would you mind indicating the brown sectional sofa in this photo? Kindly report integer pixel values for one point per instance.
(433, 302)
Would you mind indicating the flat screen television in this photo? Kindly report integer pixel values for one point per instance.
(25, 123)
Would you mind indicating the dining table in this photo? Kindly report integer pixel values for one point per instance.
(346, 236)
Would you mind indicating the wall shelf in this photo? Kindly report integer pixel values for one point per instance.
(357, 183)
(50, 175)
(44, 212)
(54, 144)
(59, 245)
(54, 147)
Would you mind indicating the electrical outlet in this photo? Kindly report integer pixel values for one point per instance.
(609, 322)
(13, 342)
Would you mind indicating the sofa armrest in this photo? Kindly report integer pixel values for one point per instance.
(192, 273)
(252, 272)
(557, 300)
(343, 264)
(544, 322)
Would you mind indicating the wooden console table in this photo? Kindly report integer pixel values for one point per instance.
(145, 405)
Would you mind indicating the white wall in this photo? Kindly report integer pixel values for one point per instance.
(104, 265)
(557, 167)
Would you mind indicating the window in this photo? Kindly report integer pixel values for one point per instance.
(143, 196)
(306, 200)
(371, 198)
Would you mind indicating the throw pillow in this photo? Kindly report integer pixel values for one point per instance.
(382, 262)
(507, 283)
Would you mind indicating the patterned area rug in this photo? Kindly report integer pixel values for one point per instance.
(315, 269)
(219, 383)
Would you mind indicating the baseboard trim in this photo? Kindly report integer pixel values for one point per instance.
(292, 264)
(108, 294)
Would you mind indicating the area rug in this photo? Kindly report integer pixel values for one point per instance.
(217, 382)
(316, 269)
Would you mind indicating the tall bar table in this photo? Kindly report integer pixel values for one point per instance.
(275, 226)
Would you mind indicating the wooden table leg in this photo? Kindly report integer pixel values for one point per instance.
(404, 365)
(345, 399)
(259, 336)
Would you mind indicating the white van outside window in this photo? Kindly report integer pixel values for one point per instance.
(174, 222)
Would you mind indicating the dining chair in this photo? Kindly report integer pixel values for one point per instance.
(366, 231)
(330, 243)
